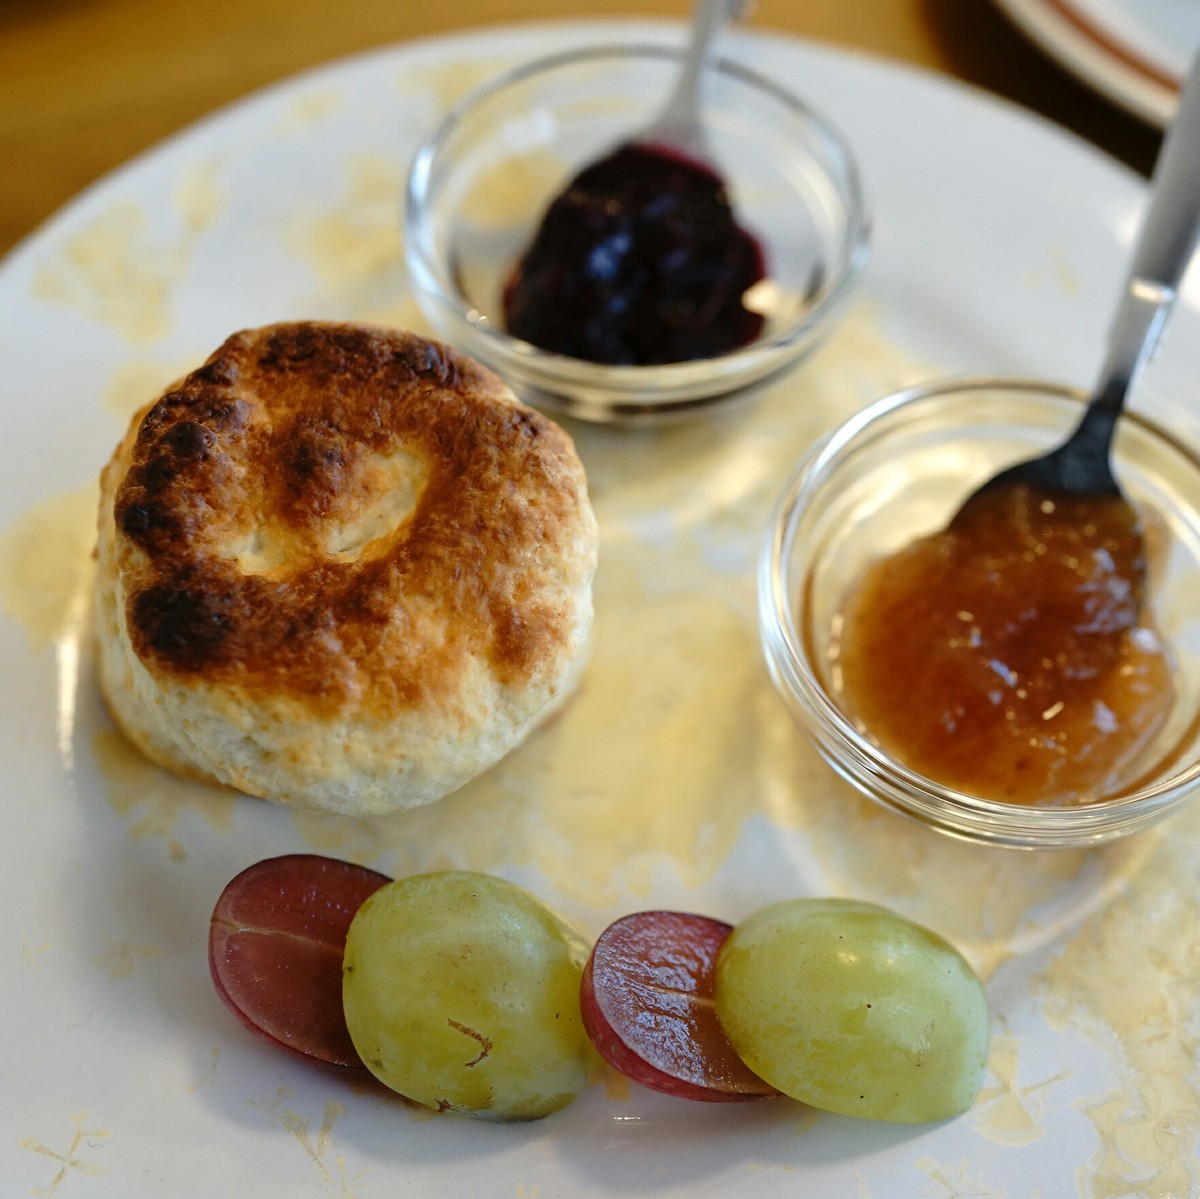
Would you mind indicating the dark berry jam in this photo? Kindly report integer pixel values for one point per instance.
(640, 261)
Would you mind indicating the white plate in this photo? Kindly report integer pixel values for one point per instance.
(1136, 52)
(673, 780)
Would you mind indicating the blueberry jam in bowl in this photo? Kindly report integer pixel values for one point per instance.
(873, 502)
(715, 278)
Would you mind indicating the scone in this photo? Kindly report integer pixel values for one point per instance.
(340, 567)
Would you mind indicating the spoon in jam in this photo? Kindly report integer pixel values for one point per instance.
(1075, 481)
(640, 260)
(678, 125)
(1012, 655)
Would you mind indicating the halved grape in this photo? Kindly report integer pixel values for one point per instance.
(647, 1004)
(461, 992)
(275, 945)
(850, 1007)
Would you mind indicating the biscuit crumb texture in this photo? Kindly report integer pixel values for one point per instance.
(340, 567)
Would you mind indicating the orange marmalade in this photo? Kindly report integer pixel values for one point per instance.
(1011, 655)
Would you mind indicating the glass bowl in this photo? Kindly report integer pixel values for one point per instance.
(481, 182)
(899, 470)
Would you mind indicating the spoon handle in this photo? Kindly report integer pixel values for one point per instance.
(1168, 239)
(678, 123)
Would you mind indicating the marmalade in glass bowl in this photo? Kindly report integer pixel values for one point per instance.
(969, 639)
(1011, 655)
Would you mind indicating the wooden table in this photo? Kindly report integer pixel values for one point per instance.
(86, 84)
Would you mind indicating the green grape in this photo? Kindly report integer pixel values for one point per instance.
(461, 992)
(851, 1008)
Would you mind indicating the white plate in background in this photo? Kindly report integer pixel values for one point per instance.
(1136, 52)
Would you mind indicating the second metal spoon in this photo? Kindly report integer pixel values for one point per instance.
(1082, 464)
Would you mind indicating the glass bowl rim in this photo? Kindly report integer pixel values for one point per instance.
(631, 381)
(956, 812)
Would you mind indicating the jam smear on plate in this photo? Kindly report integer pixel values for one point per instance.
(1010, 655)
(639, 261)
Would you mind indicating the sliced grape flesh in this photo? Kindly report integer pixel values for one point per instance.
(275, 945)
(647, 1004)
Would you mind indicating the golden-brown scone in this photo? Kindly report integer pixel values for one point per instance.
(340, 567)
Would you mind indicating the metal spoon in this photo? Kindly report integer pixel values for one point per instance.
(678, 125)
(1082, 464)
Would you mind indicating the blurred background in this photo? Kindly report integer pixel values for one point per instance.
(87, 84)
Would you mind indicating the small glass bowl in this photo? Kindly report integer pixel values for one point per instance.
(481, 182)
(899, 470)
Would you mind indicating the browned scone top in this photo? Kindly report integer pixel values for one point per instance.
(341, 567)
(350, 516)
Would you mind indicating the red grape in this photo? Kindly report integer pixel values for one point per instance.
(647, 1003)
(275, 948)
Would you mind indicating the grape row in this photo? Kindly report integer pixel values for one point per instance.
(463, 992)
